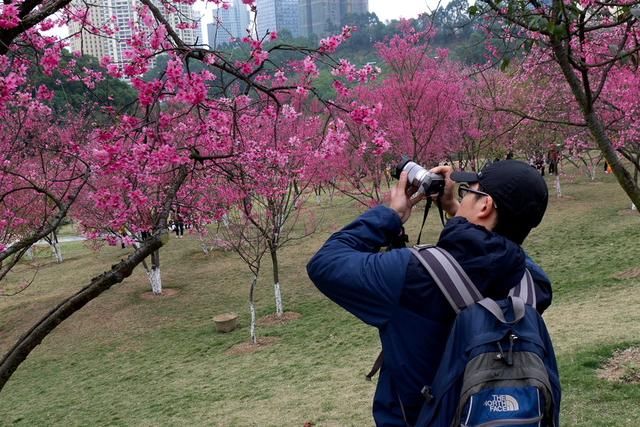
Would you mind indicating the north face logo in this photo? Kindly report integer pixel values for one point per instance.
(502, 403)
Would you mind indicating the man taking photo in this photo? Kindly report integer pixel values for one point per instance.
(494, 212)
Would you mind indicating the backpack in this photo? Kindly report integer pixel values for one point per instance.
(499, 367)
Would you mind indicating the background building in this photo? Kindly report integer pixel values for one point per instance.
(321, 17)
(277, 15)
(353, 7)
(124, 12)
(228, 24)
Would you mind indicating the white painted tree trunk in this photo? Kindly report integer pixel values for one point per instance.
(558, 188)
(155, 280)
(57, 252)
(634, 207)
(30, 253)
(593, 172)
(225, 220)
(278, 293)
(318, 199)
(205, 248)
(252, 328)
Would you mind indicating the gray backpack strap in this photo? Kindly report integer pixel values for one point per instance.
(526, 289)
(494, 308)
(452, 280)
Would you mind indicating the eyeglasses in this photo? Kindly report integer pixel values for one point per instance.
(463, 189)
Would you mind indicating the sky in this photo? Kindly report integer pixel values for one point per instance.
(386, 10)
(395, 9)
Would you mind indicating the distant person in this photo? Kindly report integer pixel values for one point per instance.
(392, 291)
(179, 225)
(122, 232)
(553, 158)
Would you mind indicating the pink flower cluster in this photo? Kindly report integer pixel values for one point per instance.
(362, 114)
(351, 73)
(331, 43)
(9, 16)
(309, 66)
(50, 59)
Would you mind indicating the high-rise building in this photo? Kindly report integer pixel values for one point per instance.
(277, 15)
(320, 17)
(228, 24)
(353, 7)
(121, 13)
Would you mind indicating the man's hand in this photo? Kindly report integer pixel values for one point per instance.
(401, 200)
(448, 201)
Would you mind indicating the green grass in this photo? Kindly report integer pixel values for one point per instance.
(591, 401)
(125, 360)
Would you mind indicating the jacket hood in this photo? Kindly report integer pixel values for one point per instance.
(495, 262)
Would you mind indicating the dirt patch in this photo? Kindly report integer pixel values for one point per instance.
(166, 293)
(622, 367)
(631, 273)
(248, 347)
(274, 319)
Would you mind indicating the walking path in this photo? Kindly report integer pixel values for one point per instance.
(64, 239)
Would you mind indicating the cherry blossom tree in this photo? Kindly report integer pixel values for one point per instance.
(134, 168)
(415, 110)
(249, 243)
(486, 132)
(583, 154)
(593, 45)
(422, 96)
(280, 161)
(42, 172)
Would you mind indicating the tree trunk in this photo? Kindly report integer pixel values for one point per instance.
(57, 252)
(155, 280)
(594, 123)
(276, 283)
(252, 311)
(558, 188)
(55, 247)
(634, 207)
(332, 190)
(30, 253)
(34, 336)
(204, 246)
(154, 274)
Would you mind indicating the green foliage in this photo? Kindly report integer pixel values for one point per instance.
(369, 32)
(75, 96)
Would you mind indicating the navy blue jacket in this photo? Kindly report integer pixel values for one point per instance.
(392, 291)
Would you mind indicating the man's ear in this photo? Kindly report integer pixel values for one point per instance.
(487, 207)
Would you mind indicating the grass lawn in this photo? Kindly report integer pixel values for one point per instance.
(129, 360)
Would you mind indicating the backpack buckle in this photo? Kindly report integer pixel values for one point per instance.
(426, 393)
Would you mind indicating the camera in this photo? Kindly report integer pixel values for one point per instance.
(428, 182)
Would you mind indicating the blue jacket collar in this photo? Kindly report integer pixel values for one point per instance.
(495, 262)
